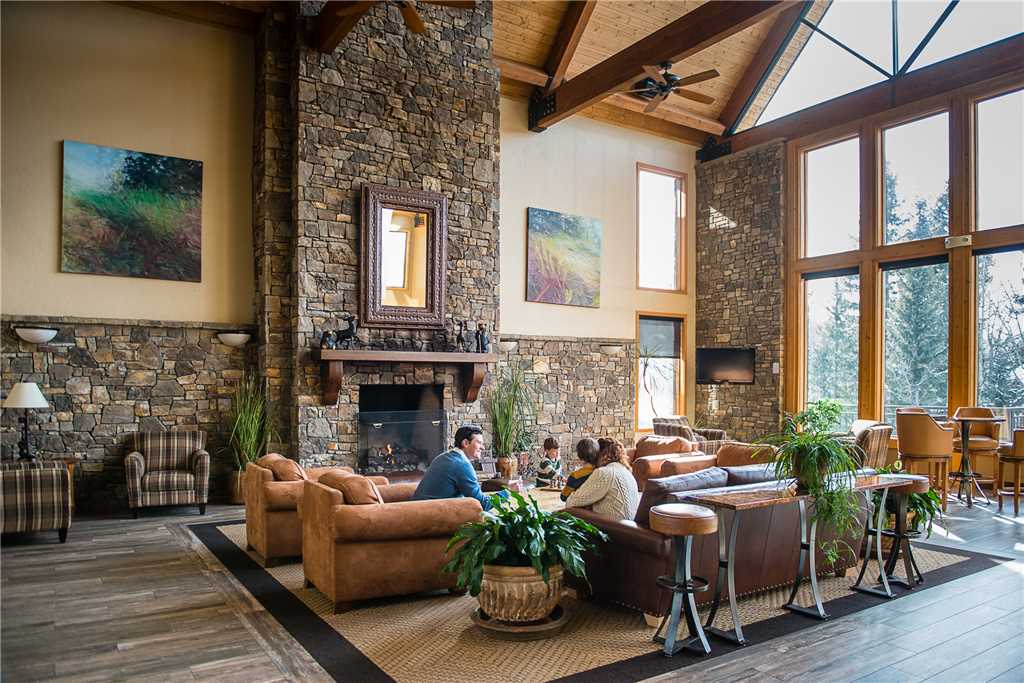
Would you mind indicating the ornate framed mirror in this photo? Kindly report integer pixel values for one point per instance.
(404, 240)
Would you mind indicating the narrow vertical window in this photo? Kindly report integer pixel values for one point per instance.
(659, 369)
(661, 220)
(831, 305)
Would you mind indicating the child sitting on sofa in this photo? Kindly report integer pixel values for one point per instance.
(550, 467)
(586, 450)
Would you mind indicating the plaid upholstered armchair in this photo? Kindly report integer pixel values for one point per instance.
(35, 496)
(168, 468)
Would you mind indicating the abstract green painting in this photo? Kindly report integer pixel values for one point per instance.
(563, 259)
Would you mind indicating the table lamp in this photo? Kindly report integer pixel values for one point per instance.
(25, 395)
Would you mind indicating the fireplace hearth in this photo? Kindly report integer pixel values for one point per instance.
(401, 428)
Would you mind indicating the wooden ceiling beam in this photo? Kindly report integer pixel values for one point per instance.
(568, 39)
(337, 19)
(216, 14)
(984, 63)
(518, 71)
(673, 113)
(697, 30)
(767, 55)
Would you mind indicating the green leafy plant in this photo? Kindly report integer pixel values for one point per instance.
(515, 532)
(820, 416)
(251, 427)
(922, 508)
(512, 412)
(824, 466)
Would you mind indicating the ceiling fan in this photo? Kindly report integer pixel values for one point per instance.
(660, 82)
(410, 15)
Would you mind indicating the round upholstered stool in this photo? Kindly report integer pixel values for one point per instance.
(682, 522)
(1010, 455)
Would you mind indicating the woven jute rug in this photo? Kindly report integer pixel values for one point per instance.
(431, 638)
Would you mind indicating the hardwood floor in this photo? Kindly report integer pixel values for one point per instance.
(140, 599)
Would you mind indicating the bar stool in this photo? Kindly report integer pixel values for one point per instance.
(682, 522)
(923, 441)
(1011, 454)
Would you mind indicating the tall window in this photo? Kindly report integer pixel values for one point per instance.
(1000, 283)
(832, 198)
(1000, 163)
(916, 325)
(659, 368)
(916, 183)
(833, 320)
(661, 221)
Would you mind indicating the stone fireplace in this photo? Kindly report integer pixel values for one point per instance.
(402, 427)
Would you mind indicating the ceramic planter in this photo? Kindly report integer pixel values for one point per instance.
(519, 594)
(235, 492)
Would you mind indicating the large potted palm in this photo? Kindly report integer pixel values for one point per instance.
(512, 417)
(251, 429)
(514, 558)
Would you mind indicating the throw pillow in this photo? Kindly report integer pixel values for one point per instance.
(662, 445)
(283, 468)
(358, 490)
(657, 489)
(735, 454)
(750, 474)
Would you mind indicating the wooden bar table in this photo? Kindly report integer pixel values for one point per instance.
(776, 493)
(966, 473)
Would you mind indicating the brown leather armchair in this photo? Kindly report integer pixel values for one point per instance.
(924, 441)
(357, 552)
(272, 524)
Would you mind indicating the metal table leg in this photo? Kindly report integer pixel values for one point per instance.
(901, 548)
(684, 583)
(885, 591)
(807, 534)
(726, 572)
(966, 476)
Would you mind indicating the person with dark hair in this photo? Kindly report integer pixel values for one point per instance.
(550, 467)
(611, 489)
(451, 474)
(586, 450)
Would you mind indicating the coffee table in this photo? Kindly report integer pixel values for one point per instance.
(776, 493)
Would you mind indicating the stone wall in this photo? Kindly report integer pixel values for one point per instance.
(585, 387)
(105, 379)
(740, 282)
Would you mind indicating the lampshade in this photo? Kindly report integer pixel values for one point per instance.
(26, 395)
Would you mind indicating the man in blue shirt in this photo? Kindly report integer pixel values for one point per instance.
(451, 474)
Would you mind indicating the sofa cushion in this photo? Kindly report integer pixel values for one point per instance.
(735, 454)
(283, 468)
(662, 445)
(168, 480)
(750, 474)
(355, 489)
(656, 490)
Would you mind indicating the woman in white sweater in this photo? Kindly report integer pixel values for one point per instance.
(611, 490)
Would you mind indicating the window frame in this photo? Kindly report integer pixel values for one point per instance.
(681, 221)
(872, 253)
(681, 380)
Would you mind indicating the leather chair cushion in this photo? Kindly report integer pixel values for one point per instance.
(657, 490)
(284, 469)
(662, 445)
(737, 454)
(168, 480)
(750, 474)
(355, 489)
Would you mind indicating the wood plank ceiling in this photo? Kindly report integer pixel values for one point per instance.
(525, 31)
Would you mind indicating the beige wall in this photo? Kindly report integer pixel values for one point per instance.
(120, 77)
(588, 168)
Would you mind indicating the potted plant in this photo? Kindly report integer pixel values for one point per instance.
(512, 416)
(513, 559)
(251, 429)
(824, 465)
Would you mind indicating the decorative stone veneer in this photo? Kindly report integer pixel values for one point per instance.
(585, 387)
(740, 282)
(106, 379)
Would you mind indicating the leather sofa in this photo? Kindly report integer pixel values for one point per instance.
(391, 546)
(272, 489)
(687, 457)
(624, 570)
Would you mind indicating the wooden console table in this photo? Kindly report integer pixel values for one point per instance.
(473, 366)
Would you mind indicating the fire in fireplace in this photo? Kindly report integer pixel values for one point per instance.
(402, 427)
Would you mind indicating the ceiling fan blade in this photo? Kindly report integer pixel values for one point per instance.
(460, 4)
(342, 8)
(412, 18)
(653, 104)
(695, 96)
(698, 78)
(655, 73)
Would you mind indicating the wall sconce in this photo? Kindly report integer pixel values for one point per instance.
(35, 334)
(234, 338)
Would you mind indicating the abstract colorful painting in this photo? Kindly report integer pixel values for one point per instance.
(563, 258)
(131, 213)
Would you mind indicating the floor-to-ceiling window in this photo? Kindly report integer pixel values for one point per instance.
(832, 322)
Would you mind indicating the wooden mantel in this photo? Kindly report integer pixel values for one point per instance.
(473, 366)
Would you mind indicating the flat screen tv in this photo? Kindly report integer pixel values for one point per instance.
(725, 366)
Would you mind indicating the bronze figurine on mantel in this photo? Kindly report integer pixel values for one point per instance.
(404, 256)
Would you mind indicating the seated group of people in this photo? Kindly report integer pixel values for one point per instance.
(605, 483)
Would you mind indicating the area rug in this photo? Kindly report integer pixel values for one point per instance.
(431, 638)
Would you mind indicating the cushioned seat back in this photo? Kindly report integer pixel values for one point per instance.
(750, 474)
(736, 454)
(658, 490)
(168, 450)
